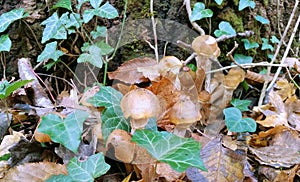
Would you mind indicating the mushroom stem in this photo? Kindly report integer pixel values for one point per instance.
(137, 124)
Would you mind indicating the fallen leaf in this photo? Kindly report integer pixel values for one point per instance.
(128, 71)
(222, 164)
(279, 152)
(37, 172)
(165, 171)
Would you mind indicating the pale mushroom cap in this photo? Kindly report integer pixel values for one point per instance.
(140, 104)
(184, 113)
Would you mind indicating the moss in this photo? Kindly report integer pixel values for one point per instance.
(265, 2)
(235, 20)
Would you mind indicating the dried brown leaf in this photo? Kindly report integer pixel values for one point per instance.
(34, 172)
(279, 152)
(128, 71)
(293, 63)
(223, 164)
(206, 45)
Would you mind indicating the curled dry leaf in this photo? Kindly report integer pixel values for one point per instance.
(207, 46)
(279, 152)
(285, 89)
(140, 104)
(234, 77)
(128, 71)
(164, 170)
(169, 64)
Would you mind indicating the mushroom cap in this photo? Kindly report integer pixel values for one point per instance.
(184, 113)
(206, 45)
(140, 104)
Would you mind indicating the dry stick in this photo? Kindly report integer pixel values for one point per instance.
(263, 91)
(285, 53)
(229, 54)
(189, 11)
(154, 31)
(247, 65)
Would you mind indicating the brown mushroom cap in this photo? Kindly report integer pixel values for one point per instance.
(140, 104)
(184, 113)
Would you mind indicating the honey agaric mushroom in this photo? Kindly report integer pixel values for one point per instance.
(140, 104)
(183, 114)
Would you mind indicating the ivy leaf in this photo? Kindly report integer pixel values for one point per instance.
(112, 116)
(242, 59)
(105, 48)
(219, 2)
(9, 17)
(54, 28)
(262, 19)
(50, 52)
(100, 32)
(235, 122)
(88, 15)
(63, 4)
(95, 3)
(64, 131)
(246, 3)
(199, 12)
(5, 43)
(94, 167)
(7, 88)
(242, 105)
(94, 56)
(107, 11)
(274, 39)
(249, 45)
(266, 45)
(179, 153)
(225, 29)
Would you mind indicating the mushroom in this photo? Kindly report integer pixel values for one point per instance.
(140, 104)
(183, 114)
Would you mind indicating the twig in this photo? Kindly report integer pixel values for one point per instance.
(154, 31)
(247, 65)
(2, 58)
(56, 78)
(285, 53)
(184, 45)
(229, 54)
(264, 89)
(191, 57)
(247, 33)
(189, 11)
(288, 71)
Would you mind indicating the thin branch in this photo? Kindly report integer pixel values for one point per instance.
(189, 11)
(154, 30)
(247, 65)
(264, 89)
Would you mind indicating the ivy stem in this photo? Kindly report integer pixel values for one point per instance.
(117, 45)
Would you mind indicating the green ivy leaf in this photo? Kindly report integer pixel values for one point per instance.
(246, 3)
(105, 48)
(95, 3)
(262, 19)
(54, 29)
(5, 43)
(249, 45)
(7, 88)
(93, 56)
(242, 105)
(219, 2)
(242, 59)
(235, 122)
(112, 116)
(225, 29)
(9, 17)
(100, 32)
(88, 15)
(274, 40)
(266, 45)
(63, 4)
(94, 167)
(192, 67)
(179, 153)
(199, 12)
(64, 131)
(107, 11)
(50, 52)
